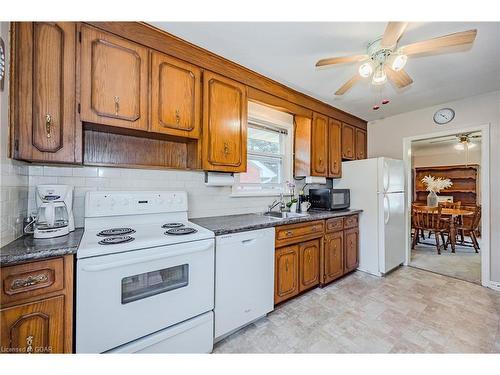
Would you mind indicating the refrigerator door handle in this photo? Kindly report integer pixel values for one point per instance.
(387, 212)
(387, 171)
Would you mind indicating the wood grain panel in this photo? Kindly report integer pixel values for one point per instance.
(319, 145)
(302, 146)
(333, 256)
(309, 264)
(334, 148)
(348, 142)
(292, 233)
(164, 42)
(175, 96)
(360, 144)
(224, 124)
(351, 252)
(114, 80)
(42, 83)
(286, 279)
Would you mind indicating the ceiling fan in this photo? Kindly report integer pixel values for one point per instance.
(385, 59)
(464, 140)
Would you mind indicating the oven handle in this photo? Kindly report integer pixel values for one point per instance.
(170, 254)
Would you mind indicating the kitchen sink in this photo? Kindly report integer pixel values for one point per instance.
(283, 215)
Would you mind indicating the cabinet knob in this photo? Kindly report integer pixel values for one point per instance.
(117, 104)
(288, 233)
(29, 344)
(177, 117)
(48, 125)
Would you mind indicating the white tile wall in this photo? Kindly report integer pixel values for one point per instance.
(13, 174)
(203, 200)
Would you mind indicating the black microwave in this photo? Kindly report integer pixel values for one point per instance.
(329, 199)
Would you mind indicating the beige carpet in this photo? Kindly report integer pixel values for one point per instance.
(465, 264)
(408, 311)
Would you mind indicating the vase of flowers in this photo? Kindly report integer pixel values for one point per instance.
(433, 186)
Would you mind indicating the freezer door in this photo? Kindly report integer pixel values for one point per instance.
(392, 240)
(391, 175)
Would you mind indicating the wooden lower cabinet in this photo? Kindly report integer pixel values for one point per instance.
(36, 306)
(333, 262)
(309, 264)
(286, 273)
(351, 243)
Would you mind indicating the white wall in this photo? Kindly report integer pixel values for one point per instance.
(444, 154)
(385, 138)
(13, 174)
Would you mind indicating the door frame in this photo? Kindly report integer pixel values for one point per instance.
(485, 192)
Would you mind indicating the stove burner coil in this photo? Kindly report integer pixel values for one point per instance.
(115, 240)
(172, 225)
(115, 232)
(181, 231)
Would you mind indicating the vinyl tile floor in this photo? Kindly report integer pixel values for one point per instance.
(408, 311)
(464, 264)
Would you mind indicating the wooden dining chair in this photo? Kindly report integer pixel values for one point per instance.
(469, 226)
(429, 219)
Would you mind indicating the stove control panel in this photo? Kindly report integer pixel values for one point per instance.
(109, 203)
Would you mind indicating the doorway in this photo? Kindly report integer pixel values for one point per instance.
(462, 158)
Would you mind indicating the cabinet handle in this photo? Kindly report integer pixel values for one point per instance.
(48, 124)
(314, 228)
(286, 265)
(177, 117)
(289, 233)
(309, 257)
(29, 344)
(226, 149)
(29, 281)
(117, 104)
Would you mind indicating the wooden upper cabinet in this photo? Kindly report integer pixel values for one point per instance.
(43, 108)
(360, 144)
(319, 145)
(348, 142)
(286, 273)
(175, 96)
(334, 149)
(351, 244)
(333, 262)
(114, 80)
(309, 264)
(224, 124)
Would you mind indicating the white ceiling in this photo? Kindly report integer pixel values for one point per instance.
(288, 51)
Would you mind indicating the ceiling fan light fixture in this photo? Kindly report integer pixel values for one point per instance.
(398, 61)
(379, 77)
(365, 70)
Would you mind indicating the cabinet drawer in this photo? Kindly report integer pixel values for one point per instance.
(351, 221)
(288, 234)
(23, 281)
(335, 224)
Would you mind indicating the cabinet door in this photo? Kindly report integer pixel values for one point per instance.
(175, 96)
(348, 148)
(286, 278)
(351, 249)
(333, 256)
(224, 124)
(334, 148)
(34, 327)
(114, 80)
(360, 144)
(319, 145)
(43, 97)
(309, 264)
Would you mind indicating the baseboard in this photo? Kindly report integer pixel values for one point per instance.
(494, 285)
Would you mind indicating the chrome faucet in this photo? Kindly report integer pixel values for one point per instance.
(277, 202)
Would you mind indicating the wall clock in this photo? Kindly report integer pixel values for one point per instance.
(444, 116)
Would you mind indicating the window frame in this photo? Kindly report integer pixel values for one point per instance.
(286, 156)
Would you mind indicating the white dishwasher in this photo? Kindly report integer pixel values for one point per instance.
(244, 279)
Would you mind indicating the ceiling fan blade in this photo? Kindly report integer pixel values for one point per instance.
(400, 78)
(436, 44)
(341, 60)
(346, 86)
(392, 33)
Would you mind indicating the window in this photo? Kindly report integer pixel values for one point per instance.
(269, 157)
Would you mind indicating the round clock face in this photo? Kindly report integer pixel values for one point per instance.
(444, 116)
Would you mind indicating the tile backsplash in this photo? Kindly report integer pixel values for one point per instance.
(203, 200)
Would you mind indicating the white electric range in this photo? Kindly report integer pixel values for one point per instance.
(145, 276)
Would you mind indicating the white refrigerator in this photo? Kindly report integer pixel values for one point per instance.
(378, 188)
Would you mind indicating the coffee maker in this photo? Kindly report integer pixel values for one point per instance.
(54, 211)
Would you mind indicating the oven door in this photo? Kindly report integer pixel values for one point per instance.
(122, 297)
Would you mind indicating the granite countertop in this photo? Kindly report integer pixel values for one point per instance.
(241, 223)
(27, 248)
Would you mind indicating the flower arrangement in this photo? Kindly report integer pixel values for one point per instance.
(435, 185)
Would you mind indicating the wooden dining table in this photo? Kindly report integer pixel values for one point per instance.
(454, 213)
